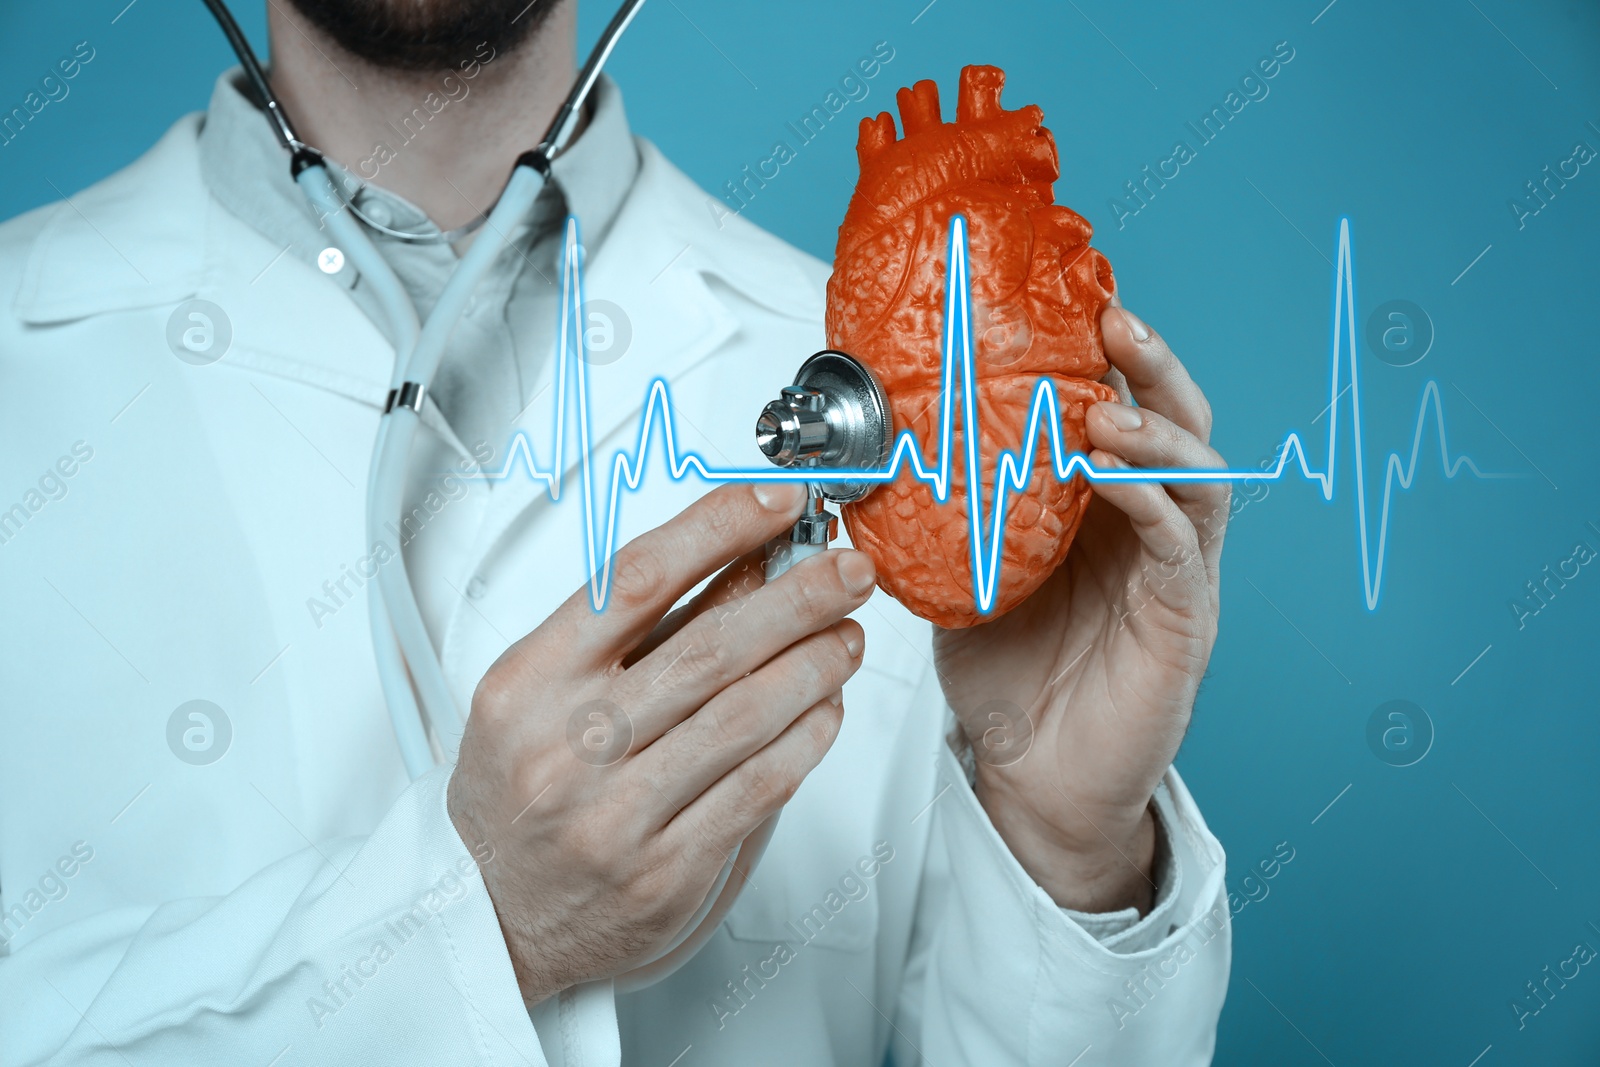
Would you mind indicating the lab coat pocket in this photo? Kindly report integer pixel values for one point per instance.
(842, 915)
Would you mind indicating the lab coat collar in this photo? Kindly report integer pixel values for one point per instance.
(135, 240)
(148, 235)
(152, 235)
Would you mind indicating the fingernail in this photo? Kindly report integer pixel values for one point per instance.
(836, 699)
(1121, 415)
(852, 641)
(781, 497)
(1140, 331)
(856, 571)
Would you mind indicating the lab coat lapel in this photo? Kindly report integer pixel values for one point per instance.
(289, 320)
(281, 316)
(132, 241)
(328, 342)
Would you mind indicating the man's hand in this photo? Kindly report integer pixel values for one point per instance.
(1076, 701)
(614, 760)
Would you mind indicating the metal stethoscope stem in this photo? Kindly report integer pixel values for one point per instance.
(834, 415)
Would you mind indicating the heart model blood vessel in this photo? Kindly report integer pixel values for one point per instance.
(1037, 293)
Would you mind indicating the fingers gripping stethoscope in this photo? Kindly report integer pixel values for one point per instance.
(834, 415)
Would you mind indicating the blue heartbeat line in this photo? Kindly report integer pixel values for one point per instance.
(1012, 471)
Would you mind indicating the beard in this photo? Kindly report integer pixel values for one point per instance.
(425, 35)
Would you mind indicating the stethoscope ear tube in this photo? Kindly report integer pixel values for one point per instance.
(388, 648)
(409, 671)
(415, 366)
(256, 76)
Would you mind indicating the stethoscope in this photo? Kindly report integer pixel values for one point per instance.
(834, 415)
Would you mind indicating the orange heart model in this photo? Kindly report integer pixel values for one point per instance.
(1037, 293)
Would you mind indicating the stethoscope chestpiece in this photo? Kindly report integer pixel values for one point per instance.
(835, 415)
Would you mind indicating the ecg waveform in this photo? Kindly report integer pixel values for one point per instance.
(958, 379)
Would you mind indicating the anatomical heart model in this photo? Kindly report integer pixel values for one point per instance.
(1037, 293)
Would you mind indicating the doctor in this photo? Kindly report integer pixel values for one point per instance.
(209, 852)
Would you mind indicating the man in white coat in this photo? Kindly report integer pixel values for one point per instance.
(209, 850)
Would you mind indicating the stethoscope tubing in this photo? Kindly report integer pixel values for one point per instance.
(411, 676)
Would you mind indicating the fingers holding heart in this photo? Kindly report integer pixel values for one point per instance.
(1156, 378)
(1172, 572)
(1143, 438)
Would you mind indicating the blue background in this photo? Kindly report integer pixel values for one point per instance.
(1423, 899)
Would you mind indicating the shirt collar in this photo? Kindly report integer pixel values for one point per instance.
(164, 210)
(247, 170)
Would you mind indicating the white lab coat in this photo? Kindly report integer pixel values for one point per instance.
(176, 521)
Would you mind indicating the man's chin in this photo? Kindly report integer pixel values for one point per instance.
(424, 35)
